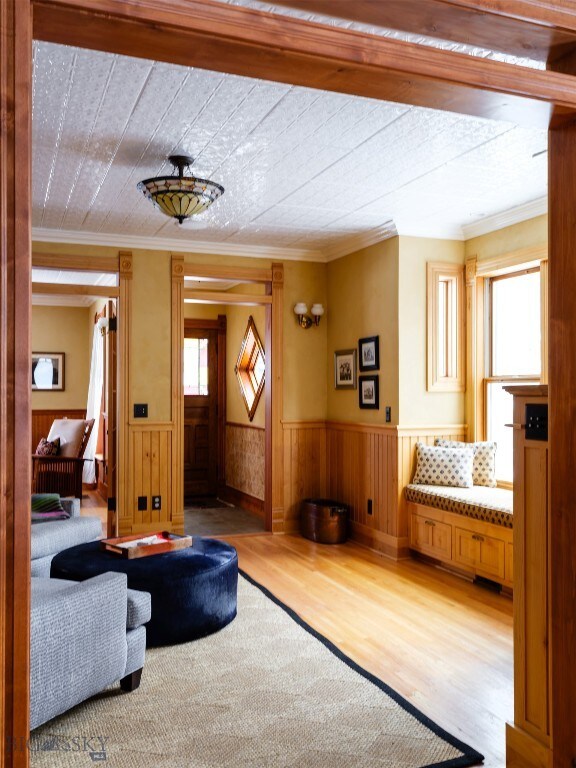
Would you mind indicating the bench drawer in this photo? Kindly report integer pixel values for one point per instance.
(485, 554)
(431, 537)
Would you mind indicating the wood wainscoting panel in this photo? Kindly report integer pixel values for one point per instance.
(375, 462)
(42, 421)
(151, 473)
(304, 467)
(362, 463)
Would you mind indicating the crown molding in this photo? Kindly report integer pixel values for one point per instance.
(357, 242)
(131, 242)
(507, 218)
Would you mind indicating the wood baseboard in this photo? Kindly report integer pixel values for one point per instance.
(241, 499)
(392, 546)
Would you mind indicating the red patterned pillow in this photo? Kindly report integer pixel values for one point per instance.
(48, 447)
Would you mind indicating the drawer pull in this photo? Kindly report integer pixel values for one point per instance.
(429, 522)
(477, 537)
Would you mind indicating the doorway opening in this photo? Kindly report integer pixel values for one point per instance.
(224, 459)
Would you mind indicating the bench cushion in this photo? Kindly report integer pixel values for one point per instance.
(493, 505)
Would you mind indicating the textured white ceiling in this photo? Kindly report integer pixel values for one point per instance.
(303, 169)
(69, 277)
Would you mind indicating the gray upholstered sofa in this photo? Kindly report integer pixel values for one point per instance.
(84, 637)
(49, 538)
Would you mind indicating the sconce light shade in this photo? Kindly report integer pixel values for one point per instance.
(102, 325)
(300, 308)
(317, 311)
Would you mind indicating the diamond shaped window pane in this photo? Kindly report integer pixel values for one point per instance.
(250, 368)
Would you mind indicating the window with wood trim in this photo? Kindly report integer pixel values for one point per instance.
(513, 353)
(445, 327)
(250, 368)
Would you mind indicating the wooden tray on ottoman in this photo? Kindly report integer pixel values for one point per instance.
(167, 542)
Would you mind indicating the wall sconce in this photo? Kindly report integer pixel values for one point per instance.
(102, 325)
(106, 324)
(301, 309)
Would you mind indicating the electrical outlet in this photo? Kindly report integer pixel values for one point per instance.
(388, 414)
(156, 502)
(142, 503)
(369, 506)
(140, 410)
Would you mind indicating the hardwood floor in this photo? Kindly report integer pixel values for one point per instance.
(440, 641)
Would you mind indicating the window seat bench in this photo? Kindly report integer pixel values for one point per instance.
(467, 529)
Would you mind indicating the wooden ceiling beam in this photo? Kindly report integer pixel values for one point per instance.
(543, 31)
(238, 40)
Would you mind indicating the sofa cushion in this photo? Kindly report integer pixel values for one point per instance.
(70, 432)
(443, 466)
(484, 467)
(56, 535)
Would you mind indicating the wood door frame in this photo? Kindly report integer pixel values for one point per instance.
(273, 301)
(219, 326)
(248, 42)
(120, 265)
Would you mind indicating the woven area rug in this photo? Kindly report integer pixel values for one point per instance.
(265, 692)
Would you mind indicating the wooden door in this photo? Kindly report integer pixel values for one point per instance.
(200, 412)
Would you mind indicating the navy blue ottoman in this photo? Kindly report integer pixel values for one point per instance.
(193, 590)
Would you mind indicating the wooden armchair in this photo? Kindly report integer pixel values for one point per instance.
(63, 473)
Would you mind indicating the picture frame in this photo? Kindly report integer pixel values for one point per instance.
(48, 371)
(369, 392)
(369, 353)
(345, 369)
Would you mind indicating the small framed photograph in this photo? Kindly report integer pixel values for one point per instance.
(345, 369)
(369, 352)
(369, 392)
(48, 371)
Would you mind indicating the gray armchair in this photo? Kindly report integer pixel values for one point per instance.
(84, 637)
(49, 538)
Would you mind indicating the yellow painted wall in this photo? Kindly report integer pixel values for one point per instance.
(523, 235)
(363, 301)
(305, 386)
(417, 406)
(63, 329)
(150, 372)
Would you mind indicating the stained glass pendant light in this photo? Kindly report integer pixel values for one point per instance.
(181, 196)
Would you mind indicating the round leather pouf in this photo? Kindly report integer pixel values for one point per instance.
(193, 590)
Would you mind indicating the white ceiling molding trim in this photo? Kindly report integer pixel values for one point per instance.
(43, 235)
(357, 242)
(507, 218)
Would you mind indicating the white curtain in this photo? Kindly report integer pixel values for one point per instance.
(94, 404)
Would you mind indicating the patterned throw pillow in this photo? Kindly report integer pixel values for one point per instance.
(443, 466)
(47, 506)
(484, 470)
(48, 447)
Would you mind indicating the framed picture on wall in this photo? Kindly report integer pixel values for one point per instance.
(345, 369)
(369, 394)
(48, 371)
(369, 352)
